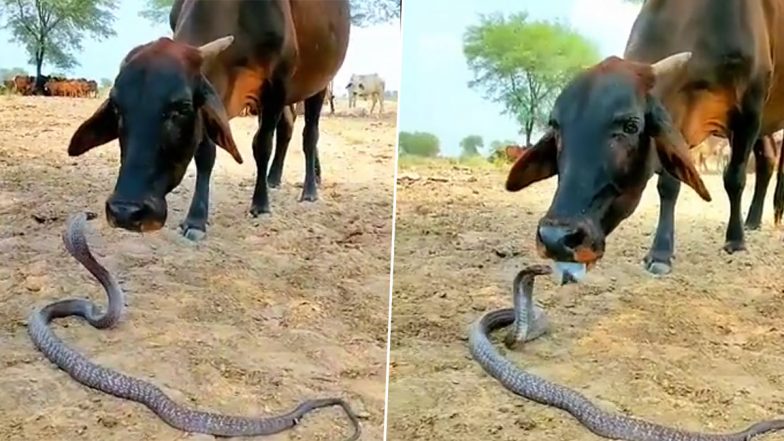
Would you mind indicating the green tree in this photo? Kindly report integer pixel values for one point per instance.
(470, 145)
(52, 30)
(9, 74)
(157, 11)
(105, 83)
(371, 12)
(419, 144)
(524, 64)
(363, 12)
(501, 144)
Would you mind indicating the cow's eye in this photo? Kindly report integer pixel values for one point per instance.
(631, 127)
(177, 110)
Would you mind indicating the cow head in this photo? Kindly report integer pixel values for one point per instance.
(607, 135)
(351, 83)
(159, 108)
(355, 85)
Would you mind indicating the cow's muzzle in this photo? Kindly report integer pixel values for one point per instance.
(138, 216)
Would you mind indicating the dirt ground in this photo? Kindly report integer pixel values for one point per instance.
(264, 313)
(700, 349)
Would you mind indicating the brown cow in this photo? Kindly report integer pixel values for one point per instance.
(24, 84)
(620, 121)
(287, 52)
(92, 89)
(282, 138)
(512, 152)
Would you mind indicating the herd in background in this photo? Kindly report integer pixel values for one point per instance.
(367, 86)
(53, 86)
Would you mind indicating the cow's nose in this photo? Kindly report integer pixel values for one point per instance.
(125, 214)
(561, 241)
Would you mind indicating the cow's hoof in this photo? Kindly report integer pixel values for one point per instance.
(658, 266)
(308, 196)
(273, 182)
(257, 210)
(733, 246)
(521, 333)
(752, 226)
(192, 233)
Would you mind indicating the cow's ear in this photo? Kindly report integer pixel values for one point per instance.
(216, 121)
(536, 163)
(671, 148)
(98, 129)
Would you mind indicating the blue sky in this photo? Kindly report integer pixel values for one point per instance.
(372, 49)
(435, 96)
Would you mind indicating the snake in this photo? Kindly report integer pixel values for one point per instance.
(532, 387)
(120, 385)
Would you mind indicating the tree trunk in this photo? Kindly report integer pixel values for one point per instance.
(39, 62)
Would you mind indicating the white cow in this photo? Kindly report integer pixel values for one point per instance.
(366, 85)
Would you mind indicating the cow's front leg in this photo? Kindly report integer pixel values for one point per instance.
(318, 168)
(283, 133)
(272, 102)
(764, 163)
(194, 227)
(745, 127)
(310, 135)
(659, 258)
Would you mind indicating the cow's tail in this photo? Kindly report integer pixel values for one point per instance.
(778, 194)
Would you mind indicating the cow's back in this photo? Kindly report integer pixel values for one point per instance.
(323, 29)
(732, 42)
(311, 37)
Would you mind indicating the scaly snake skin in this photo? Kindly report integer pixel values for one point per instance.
(111, 382)
(601, 422)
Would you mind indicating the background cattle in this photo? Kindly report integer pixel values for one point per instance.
(53, 86)
(512, 152)
(329, 98)
(366, 85)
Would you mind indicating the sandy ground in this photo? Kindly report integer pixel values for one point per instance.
(264, 313)
(700, 349)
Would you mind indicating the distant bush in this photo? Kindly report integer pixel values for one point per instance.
(419, 144)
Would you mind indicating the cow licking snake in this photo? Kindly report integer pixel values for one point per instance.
(601, 422)
(123, 386)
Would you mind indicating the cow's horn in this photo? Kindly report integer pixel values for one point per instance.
(213, 48)
(670, 64)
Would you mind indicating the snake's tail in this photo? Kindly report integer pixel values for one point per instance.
(320, 403)
(763, 428)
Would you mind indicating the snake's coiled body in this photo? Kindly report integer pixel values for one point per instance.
(123, 386)
(601, 422)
